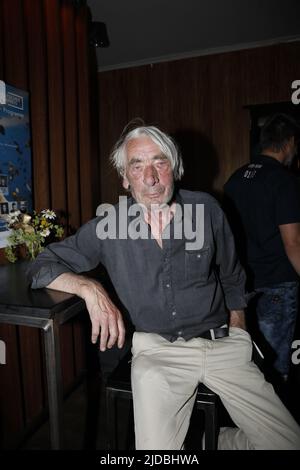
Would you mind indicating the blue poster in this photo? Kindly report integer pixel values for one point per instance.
(15, 155)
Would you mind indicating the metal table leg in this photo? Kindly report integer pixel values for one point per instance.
(54, 383)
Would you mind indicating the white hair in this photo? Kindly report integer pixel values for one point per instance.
(164, 142)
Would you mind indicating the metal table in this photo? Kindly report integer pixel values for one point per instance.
(46, 309)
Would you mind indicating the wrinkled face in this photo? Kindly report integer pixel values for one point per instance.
(148, 172)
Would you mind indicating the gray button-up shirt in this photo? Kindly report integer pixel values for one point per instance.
(180, 289)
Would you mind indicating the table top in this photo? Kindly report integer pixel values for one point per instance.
(16, 296)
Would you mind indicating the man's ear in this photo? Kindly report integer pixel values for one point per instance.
(290, 143)
(125, 183)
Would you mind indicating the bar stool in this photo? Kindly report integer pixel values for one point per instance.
(119, 386)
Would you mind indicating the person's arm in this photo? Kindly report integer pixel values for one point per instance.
(105, 317)
(237, 319)
(231, 273)
(290, 234)
(59, 266)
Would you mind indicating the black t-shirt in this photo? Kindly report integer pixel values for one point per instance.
(263, 195)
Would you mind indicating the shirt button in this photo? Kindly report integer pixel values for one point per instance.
(173, 313)
(198, 256)
(179, 333)
(168, 285)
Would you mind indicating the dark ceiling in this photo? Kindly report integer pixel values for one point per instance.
(149, 31)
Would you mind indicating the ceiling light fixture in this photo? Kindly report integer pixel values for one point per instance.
(98, 36)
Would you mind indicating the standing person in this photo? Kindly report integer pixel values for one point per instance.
(171, 258)
(266, 198)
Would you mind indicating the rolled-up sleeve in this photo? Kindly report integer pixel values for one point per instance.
(232, 275)
(78, 253)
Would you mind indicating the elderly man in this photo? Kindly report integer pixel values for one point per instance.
(171, 258)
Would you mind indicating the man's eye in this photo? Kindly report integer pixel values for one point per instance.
(162, 163)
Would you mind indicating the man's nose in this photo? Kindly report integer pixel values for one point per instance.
(150, 175)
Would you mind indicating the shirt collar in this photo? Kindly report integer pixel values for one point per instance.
(268, 159)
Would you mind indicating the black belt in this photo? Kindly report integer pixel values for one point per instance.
(214, 333)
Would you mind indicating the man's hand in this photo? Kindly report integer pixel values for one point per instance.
(105, 316)
(237, 319)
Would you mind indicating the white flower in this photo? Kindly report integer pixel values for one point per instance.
(15, 214)
(13, 217)
(26, 218)
(48, 214)
(45, 232)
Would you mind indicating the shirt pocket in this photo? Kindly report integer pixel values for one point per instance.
(197, 264)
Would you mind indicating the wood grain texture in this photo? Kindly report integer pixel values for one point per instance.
(36, 40)
(15, 53)
(11, 400)
(39, 53)
(84, 110)
(1, 42)
(201, 102)
(71, 116)
(55, 105)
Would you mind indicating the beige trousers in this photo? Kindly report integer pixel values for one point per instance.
(165, 377)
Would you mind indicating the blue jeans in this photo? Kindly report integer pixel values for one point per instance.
(277, 309)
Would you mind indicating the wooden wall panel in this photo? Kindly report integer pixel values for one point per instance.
(201, 101)
(71, 115)
(281, 82)
(36, 40)
(55, 105)
(83, 93)
(80, 339)
(223, 75)
(67, 356)
(39, 44)
(138, 94)
(112, 119)
(16, 74)
(1, 42)
(11, 410)
(94, 128)
(31, 372)
(14, 43)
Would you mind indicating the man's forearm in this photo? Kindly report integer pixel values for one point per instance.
(237, 319)
(290, 234)
(71, 283)
(293, 254)
(105, 317)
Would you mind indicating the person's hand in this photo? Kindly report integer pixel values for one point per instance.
(105, 316)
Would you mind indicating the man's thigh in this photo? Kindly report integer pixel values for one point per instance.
(164, 381)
